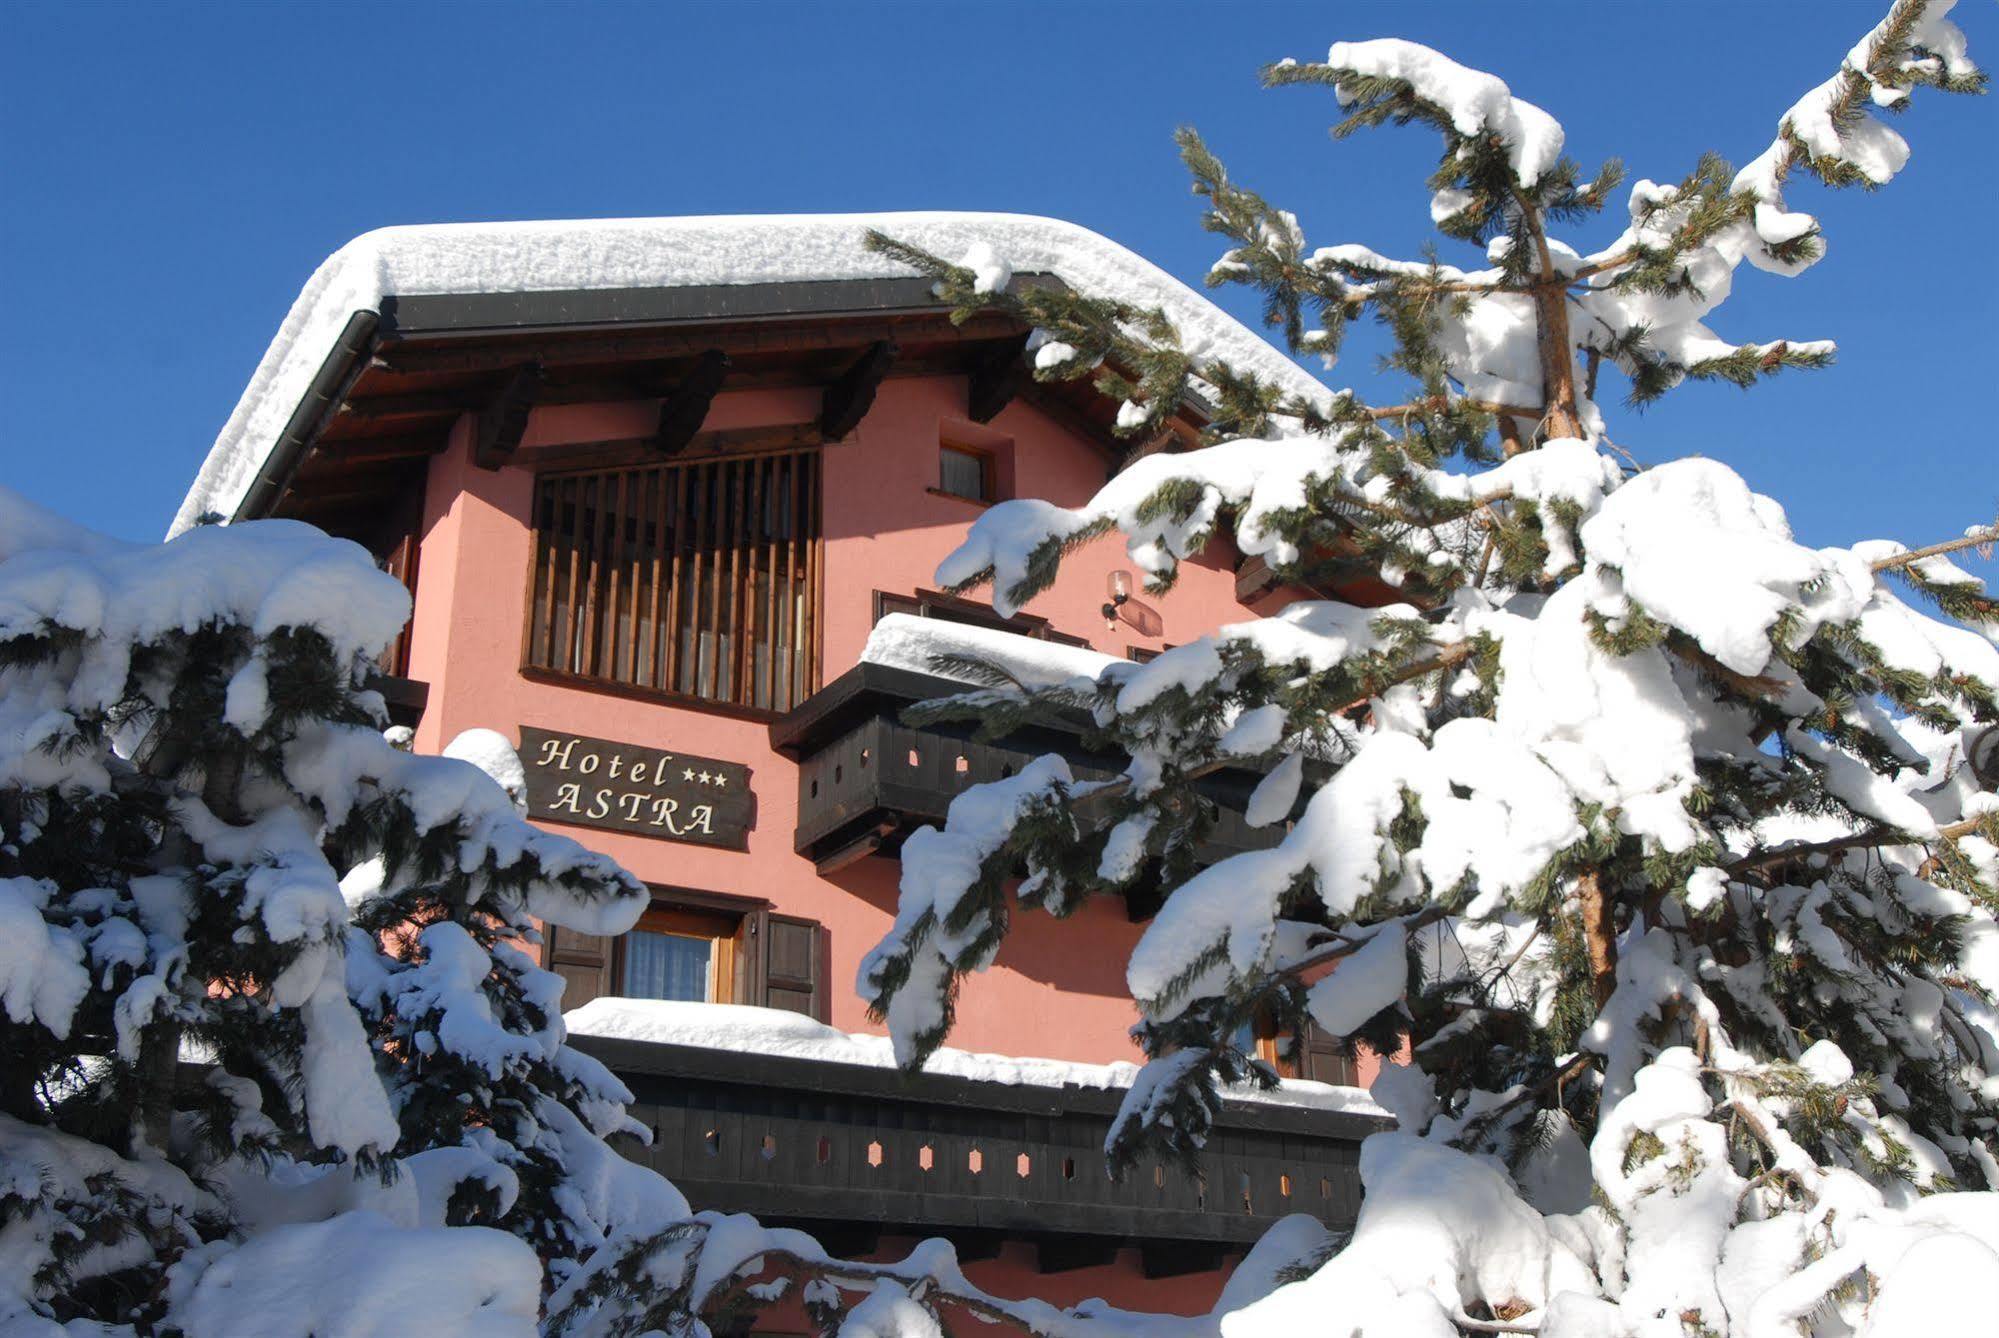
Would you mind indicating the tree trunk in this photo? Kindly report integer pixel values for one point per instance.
(159, 1072)
(1558, 362)
(1600, 936)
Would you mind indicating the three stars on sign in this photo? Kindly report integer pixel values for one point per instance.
(716, 779)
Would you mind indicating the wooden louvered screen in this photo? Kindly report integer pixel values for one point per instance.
(696, 579)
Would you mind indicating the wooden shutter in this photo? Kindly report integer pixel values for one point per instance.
(794, 975)
(583, 961)
(1320, 1059)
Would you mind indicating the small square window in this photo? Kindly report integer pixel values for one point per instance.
(680, 954)
(965, 473)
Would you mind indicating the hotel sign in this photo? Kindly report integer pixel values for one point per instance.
(629, 788)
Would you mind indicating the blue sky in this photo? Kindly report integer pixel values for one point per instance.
(170, 174)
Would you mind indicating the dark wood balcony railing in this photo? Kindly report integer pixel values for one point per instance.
(865, 779)
(851, 1152)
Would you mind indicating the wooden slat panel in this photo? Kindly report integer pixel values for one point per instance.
(542, 624)
(614, 568)
(814, 593)
(698, 519)
(780, 468)
(746, 652)
(596, 535)
(662, 537)
(669, 634)
(699, 577)
(572, 495)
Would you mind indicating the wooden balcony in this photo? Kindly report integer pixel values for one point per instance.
(866, 779)
(405, 697)
(852, 1153)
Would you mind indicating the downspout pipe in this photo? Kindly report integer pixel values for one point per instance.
(329, 386)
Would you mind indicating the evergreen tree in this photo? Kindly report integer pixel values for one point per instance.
(190, 765)
(505, 1121)
(1668, 844)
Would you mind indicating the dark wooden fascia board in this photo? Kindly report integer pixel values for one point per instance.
(431, 315)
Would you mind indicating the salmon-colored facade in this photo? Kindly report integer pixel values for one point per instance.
(442, 431)
(1057, 989)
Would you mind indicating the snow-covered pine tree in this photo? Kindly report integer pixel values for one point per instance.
(1669, 844)
(190, 765)
(504, 1122)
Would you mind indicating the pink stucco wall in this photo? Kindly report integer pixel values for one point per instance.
(1057, 989)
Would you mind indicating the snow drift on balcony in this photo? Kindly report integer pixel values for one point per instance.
(785, 1035)
(673, 253)
(906, 641)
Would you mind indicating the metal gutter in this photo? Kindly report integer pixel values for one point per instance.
(343, 363)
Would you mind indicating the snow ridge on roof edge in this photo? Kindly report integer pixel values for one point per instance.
(672, 253)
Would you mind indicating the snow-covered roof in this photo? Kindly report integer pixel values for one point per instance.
(779, 1034)
(594, 254)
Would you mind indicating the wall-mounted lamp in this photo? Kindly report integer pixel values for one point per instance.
(1121, 607)
(1118, 586)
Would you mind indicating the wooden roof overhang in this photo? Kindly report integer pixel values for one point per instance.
(397, 380)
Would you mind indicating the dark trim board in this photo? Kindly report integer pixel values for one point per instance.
(414, 315)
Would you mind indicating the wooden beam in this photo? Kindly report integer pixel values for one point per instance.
(504, 419)
(1062, 1254)
(848, 399)
(1165, 440)
(1172, 1259)
(996, 378)
(682, 413)
(370, 483)
(629, 451)
(330, 455)
(1050, 398)
(417, 403)
(975, 1244)
(1253, 577)
(848, 1240)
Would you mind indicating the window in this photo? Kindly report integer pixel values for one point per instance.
(1311, 1054)
(698, 947)
(1260, 1040)
(681, 954)
(964, 472)
(696, 579)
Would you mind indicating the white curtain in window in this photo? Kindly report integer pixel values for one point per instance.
(667, 966)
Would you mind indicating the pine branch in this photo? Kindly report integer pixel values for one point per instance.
(1867, 840)
(1980, 539)
(1576, 1065)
